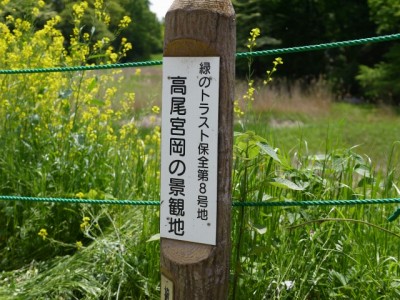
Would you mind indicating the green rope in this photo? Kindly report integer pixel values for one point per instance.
(234, 204)
(317, 203)
(84, 68)
(83, 201)
(377, 39)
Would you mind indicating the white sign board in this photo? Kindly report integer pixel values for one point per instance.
(189, 149)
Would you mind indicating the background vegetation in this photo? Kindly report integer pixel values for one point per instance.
(96, 135)
(367, 71)
(144, 29)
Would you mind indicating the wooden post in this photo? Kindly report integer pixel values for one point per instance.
(201, 28)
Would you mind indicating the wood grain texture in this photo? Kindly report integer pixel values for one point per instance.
(205, 28)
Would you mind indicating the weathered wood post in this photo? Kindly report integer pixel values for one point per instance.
(201, 36)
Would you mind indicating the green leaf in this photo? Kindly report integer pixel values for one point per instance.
(250, 145)
(340, 276)
(363, 171)
(259, 228)
(65, 94)
(286, 184)
(155, 237)
(319, 157)
(97, 102)
(92, 85)
(267, 149)
(248, 150)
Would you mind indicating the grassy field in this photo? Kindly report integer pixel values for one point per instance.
(293, 146)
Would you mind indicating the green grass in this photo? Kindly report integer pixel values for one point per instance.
(277, 253)
(325, 151)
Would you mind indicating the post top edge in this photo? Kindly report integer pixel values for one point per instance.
(219, 6)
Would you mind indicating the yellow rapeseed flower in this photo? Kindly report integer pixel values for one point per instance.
(79, 9)
(237, 109)
(254, 34)
(106, 18)
(79, 245)
(85, 223)
(249, 96)
(35, 11)
(125, 22)
(113, 57)
(43, 233)
(98, 4)
(278, 61)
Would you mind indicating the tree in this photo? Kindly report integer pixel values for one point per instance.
(144, 32)
(289, 23)
(381, 81)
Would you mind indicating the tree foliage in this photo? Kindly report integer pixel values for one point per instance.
(288, 23)
(144, 31)
(381, 81)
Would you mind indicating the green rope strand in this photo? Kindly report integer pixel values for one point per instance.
(317, 203)
(82, 201)
(377, 39)
(234, 204)
(84, 68)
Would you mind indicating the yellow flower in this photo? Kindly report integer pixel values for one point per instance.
(98, 4)
(278, 61)
(85, 223)
(125, 22)
(250, 92)
(107, 18)
(79, 245)
(43, 233)
(10, 19)
(237, 109)
(79, 9)
(113, 57)
(155, 109)
(254, 33)
(35, 11)
(127, 47)
(80, 195)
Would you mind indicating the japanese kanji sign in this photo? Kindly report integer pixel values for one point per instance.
(167, 288)
(189, 151)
